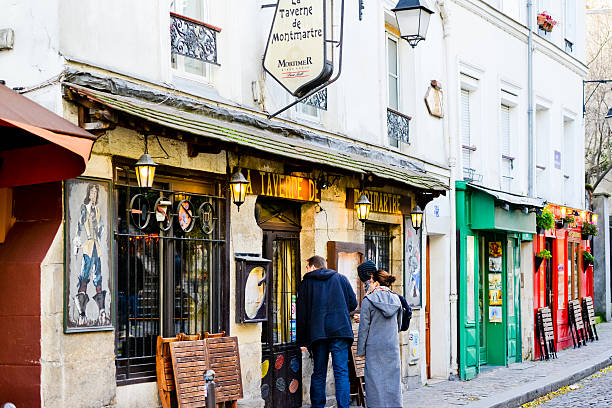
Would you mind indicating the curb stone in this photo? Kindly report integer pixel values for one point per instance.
(520, 395)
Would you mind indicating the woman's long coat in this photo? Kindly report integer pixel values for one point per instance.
(380, 321)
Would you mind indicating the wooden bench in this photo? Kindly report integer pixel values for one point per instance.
(546, 334)
(588, 315)
(576, 323)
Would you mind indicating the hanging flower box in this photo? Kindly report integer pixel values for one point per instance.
(546, 22)
(587, 260)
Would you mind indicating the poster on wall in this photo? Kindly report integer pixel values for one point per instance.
(495, 289)
(412, 264)
(88, 256)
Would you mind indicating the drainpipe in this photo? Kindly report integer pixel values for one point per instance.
(450, 128)
(530, 110)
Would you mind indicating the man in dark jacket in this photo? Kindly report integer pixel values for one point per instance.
(325, 299)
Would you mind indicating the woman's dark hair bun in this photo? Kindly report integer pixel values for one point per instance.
(384, 278)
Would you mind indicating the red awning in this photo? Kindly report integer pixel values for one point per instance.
(36, 145)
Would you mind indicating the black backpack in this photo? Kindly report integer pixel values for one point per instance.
(406, 313)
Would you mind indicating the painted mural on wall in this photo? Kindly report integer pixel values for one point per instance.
(87, 237)
(412, 264)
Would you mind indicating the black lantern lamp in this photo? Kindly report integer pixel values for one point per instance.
(145, 168)
(416, 215)
(238, 185)
(412, 19)
(363, 207)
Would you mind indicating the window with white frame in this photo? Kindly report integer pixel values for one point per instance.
(569, 10)
(393, 80)
(183, 65)
(466, 136)
(507, 162)
(307, 111)
(568, 150)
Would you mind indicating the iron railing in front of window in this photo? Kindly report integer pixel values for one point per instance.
(318, 100)
(471, 175)
(193, 39)
(398, 126)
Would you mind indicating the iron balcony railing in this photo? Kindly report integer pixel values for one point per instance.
(398, 126)
(192, 38)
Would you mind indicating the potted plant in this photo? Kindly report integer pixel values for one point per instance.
(540, 257)
(588, 229)
(587, 260)
(545, 21)
(564, 222)
(545, 221)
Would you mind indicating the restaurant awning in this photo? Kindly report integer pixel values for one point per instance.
(262, 140)
(36, 145)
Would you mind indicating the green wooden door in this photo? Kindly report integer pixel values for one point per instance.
(468, 308)
(513, 296)
(495, 311)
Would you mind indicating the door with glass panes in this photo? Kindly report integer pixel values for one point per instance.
(281, 383)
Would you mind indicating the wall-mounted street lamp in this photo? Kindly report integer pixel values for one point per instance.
(145, 168)
(594, 218)
(238, 185)
(413, 20)
(363, 208)
(416, 216)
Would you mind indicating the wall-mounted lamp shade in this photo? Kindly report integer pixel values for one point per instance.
(145, 171)
(413, 20)
(363, 208)
(416, 216)
(594, 217)
(238, 185)
(563, 211)
(583, 215)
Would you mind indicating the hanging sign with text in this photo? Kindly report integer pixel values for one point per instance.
(296, 54)
(387, 203)
(282, 186)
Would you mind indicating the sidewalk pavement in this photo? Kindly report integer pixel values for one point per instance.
(519, 383)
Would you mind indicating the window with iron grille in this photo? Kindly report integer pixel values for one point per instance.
(169, 250)
(378, 245)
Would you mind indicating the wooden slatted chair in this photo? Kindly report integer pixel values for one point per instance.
(189, 363)
(165, 375)
(208, 335)
(357, 372)
(576, 323)
(546, 333)
(224, 358)
(588, 315)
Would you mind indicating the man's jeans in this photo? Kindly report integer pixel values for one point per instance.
(339, 349)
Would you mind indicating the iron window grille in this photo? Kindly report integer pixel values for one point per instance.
(398, 126)
(168, 281)
(470, 175)
(193, 39)
(378, 245)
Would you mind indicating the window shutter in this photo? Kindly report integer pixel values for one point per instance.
(570, 20)
(505, 130)
(465, 127)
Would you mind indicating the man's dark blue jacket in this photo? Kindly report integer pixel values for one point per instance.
(325, 299)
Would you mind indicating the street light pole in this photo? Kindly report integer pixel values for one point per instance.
(594, 81)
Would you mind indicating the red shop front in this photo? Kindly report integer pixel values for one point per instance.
(563, 277)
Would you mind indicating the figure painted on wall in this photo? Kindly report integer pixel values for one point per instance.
(412, 264)
(90, 228)
(88, 256)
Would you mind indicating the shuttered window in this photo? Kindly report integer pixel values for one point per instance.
(466, 137)
(505, 130)
(570, 20)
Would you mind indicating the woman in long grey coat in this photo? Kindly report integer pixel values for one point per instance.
(379, 324)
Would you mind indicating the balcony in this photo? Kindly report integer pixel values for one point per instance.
(398, 126)
(318, 100)
(193, 39)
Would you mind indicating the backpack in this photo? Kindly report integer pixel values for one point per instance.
(406, 313)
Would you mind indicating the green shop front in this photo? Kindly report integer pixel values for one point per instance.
(494, 230)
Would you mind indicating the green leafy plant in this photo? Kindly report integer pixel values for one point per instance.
(587, 257)
(588, 228)
(569, 219)
(546, 220)
(544, 254)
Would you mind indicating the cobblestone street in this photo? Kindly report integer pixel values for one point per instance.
(592, 391)
(500, 384)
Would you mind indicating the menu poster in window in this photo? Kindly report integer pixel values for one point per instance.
(88, 262)
(412, 264)
(495, 314)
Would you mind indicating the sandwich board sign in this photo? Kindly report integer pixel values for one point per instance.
(296, 53)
